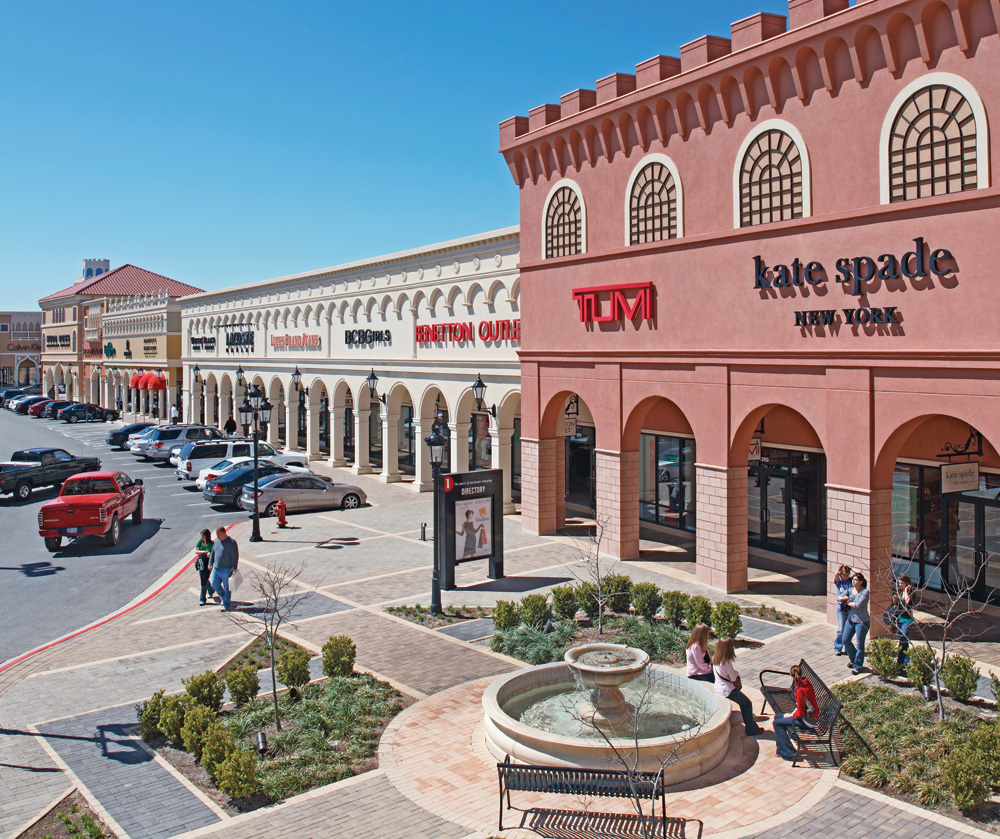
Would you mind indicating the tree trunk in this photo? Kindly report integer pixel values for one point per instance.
(274, 684)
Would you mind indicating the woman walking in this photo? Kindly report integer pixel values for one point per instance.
(699, 663)
(842, 583)
(729, 684)
(203, 564)
(858, 623)
(902, 603)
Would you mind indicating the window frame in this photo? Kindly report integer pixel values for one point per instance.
(678, 199)
(796, 136)
(564, 182)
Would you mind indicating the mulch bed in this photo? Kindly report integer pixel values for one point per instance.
(73, 807)
(451, 614)
(256, 653)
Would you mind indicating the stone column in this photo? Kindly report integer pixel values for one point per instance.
(272, 427)
(859, 534)
(500, 447)
(390, 448)
(459, 445)
(312, 430)
(543, 485)
(362, 466)
(292, 422)
(423, 480)
(617, 475)
(721, 541)
(337, 435)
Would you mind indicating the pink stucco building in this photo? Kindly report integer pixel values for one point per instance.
(759, 294)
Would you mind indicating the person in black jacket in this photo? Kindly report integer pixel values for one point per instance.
(230, 426)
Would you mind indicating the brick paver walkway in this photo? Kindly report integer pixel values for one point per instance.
(436, 778)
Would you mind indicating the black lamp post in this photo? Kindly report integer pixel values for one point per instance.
(479, 394)
(255, 409)
(435, 447)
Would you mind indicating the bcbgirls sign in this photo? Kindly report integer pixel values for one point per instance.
(367, 337)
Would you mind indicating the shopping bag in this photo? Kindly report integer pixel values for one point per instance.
(235, 581)
(482, 538)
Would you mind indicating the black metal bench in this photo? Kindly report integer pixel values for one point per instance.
(604, 783)
(831, 723)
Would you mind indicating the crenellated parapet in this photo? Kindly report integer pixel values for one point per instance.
(768, 61)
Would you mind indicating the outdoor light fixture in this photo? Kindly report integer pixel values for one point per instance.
(239, 375)
(372, 381)
(255, 409)
(197, 373)
(436, 442)
(261, 742)
(479, 392)
(296, 377)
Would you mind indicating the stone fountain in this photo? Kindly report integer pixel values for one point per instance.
(605, 668)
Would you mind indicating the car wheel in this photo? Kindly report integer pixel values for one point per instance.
(114, 533)
(72, 418)
(350, 502)
(53, 543)
(23, 492)
(137, 513)
(271, 510)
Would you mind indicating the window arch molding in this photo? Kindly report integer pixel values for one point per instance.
(674, 173)
(564, 182)
(791, 131)
(978, 111)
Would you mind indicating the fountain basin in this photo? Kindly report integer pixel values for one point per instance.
(697, 754)
(605, 668)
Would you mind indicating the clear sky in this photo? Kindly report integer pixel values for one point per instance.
(226, 141)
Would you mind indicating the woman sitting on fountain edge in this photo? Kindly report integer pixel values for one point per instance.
(699, 662)
(728, 684)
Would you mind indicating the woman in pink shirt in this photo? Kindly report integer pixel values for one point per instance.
(699, 663)
(727, 683)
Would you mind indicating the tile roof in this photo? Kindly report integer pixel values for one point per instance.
(123, 281)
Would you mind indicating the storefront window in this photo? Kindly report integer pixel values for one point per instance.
(786, 503)
(324, 425)
(515, 460)
(666, 480)
(916, 524)
(405, 438)
(480, 443)
(375, 435)
(580, 468)
(349, 434)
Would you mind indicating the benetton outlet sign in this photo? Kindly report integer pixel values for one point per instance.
(487, 330)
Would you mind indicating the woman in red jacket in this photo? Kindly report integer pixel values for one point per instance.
(800, 717)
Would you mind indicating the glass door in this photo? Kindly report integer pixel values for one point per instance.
(767, 504)
(580, 465)
(972, 540)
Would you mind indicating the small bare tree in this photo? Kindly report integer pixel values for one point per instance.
(278, 595)
(960, 615)
(592, 567)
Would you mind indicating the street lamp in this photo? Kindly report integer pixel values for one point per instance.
(479, 393)
(256, 410)
(371, 381)
(435, 447)
(240, 379)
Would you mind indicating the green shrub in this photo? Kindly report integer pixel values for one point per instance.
(619, 589)
(960, 676)
(726, 619)
(237, 775)
(995, 687)
(533, 645)
(646, 599)
(920, 668)
(506, 615)
(535, 610)
(698, 610)
(206, 689)
(216, 746)
(986, 739)
(292, 668)
(660, 640)
(674, 606)
(172, 712)
(338, 656)
(586, 599)
(243, 684)
(882, 657)
(564, 602)
(197, 721)
(964, 774)
(149, 716)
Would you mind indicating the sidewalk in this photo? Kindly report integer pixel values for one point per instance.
(64, 712)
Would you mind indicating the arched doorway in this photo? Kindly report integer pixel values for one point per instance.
(317, 440)
(276, 431)
(27, 372)
(212, 400)
(399, 438)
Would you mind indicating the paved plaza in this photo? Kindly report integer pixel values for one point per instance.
(66, 712)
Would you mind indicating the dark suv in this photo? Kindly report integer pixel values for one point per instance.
(87, 411)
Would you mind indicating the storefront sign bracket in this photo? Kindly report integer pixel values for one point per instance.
(951, 450)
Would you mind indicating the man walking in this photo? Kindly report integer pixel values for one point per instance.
(225, 559)
(174, 414)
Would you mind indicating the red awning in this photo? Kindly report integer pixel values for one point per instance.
(133, 383)
(158, 383)
(146, 382)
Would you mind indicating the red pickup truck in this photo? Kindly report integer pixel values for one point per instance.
(91, 504)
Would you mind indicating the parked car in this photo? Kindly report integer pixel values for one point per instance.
(32, 468)
(35, 410)
(22, 403)
(301, 493)
(157, 445)
(91, 504)
(10, 393)
(199, 455)
(53, 408)
(132, 440)
(119, 436)
(82, 410)
(175, 453)
(14, 401)
(227, 489)
(217, 470)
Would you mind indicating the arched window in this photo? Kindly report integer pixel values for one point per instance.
(652, 208)
(770, 179)
(563, 224)
(932, 145)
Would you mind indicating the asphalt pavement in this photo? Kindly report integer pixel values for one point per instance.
(44, 596)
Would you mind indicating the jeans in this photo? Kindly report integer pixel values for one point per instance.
(206, 585)
(902, 659)
(838, 639)
(783, 724)
(704, 677)
(220, 582)
(856, 655)
(746, 709)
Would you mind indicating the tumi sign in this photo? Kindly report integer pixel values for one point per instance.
(613, 303)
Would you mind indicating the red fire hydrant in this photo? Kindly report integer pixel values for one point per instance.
(279, 508)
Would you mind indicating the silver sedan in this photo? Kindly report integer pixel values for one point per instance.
(302, 493)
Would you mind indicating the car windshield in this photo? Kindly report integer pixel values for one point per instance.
(222, 464)
(89, 486)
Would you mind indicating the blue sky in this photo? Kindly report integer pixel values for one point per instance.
(226, 142)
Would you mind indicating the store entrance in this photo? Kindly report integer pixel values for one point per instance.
(581, 484)
(786, 503)
(971, 536)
